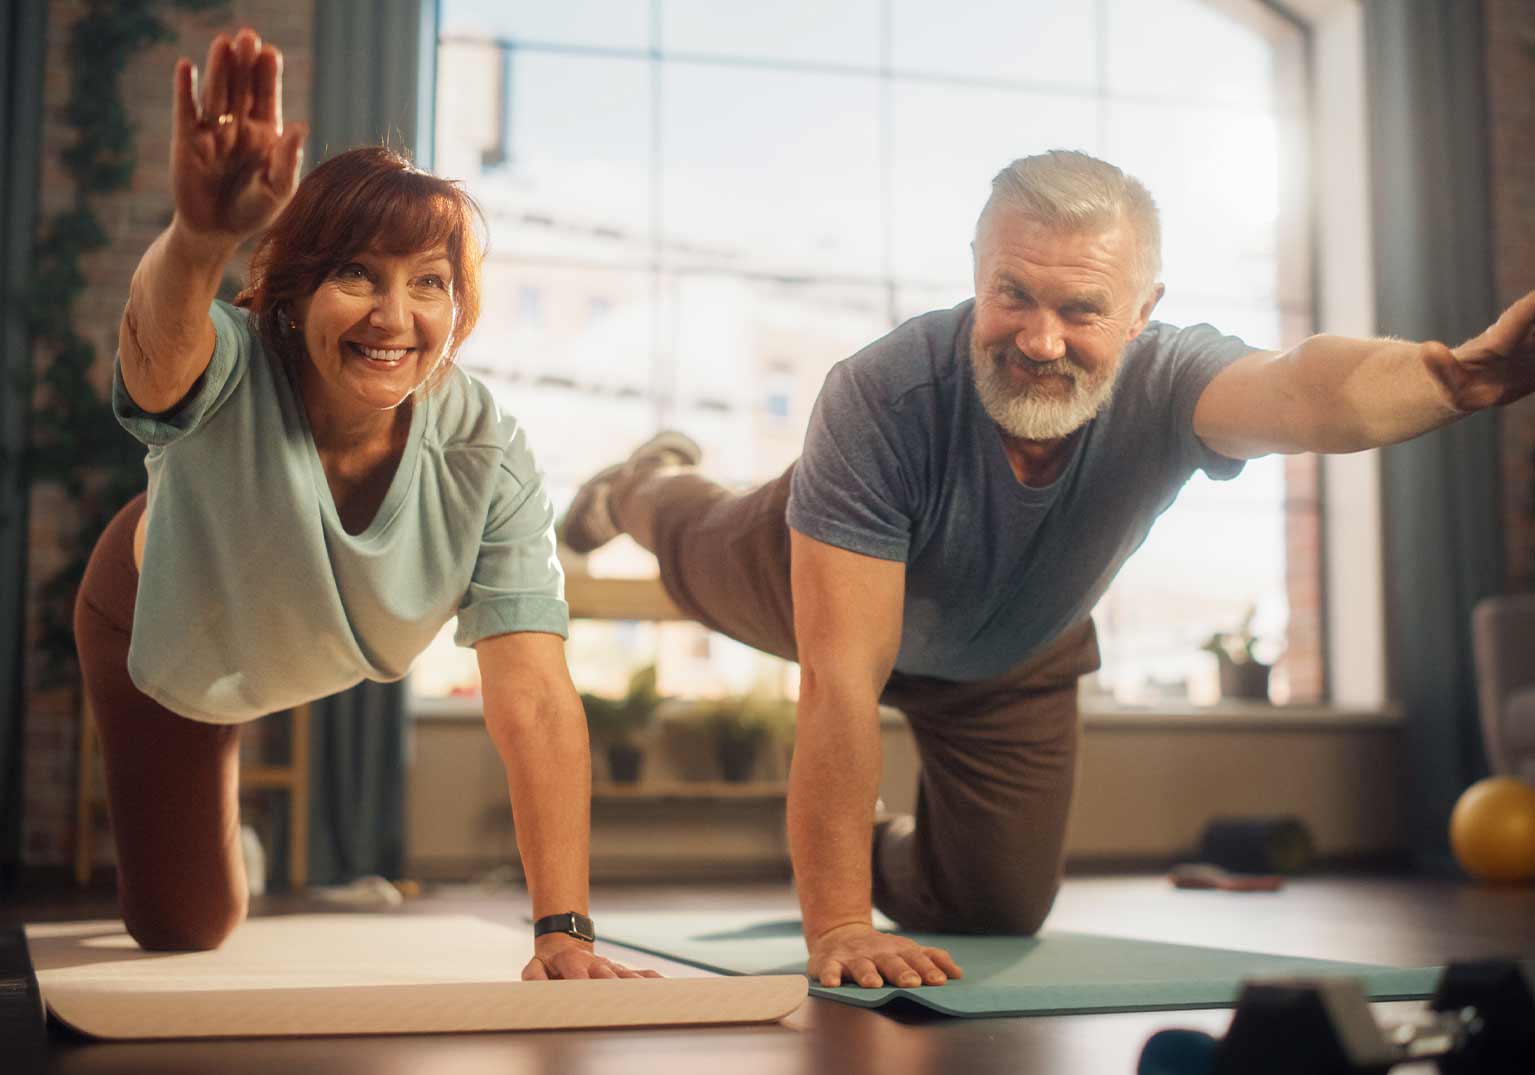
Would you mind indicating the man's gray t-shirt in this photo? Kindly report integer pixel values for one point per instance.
(901, 462)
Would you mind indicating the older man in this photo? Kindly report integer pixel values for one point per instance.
(969, 486)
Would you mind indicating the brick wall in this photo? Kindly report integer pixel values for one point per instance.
(132, 219)
(1511, 128)
(1302, 669)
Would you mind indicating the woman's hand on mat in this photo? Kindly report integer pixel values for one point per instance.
(559, 956)
(864, 956)
(233, 166)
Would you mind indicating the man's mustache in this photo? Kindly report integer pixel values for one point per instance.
(1060, 367)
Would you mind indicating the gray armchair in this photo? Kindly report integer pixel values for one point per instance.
(1503, 640)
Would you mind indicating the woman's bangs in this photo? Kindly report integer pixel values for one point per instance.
(407, 216)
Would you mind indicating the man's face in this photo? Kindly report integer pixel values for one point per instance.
(1053, 313)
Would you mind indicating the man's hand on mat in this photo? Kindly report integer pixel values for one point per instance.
(559, 956)
(865, 956)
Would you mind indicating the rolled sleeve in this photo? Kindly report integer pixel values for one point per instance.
(511, 613)
(234, 338)
(517, 583)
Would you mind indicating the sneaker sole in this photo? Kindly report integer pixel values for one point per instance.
(577, 530)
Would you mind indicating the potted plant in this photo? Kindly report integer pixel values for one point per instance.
(741, 727)
(1242, 674)
(618, 724)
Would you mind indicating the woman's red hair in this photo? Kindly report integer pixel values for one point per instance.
(364, 199)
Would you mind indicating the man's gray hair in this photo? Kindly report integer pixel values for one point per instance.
(1079, 193)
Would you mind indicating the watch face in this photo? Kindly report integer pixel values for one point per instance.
(581, 927)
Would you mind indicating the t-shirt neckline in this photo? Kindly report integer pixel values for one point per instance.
(399, 484)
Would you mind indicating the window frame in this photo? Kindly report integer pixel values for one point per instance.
(1326, 26)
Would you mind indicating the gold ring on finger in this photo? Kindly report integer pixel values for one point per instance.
(226, 118)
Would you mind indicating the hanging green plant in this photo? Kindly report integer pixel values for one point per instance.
(76, 443)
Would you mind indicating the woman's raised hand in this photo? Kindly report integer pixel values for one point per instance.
(233, 166)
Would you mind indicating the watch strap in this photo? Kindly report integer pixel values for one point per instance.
(574, 923)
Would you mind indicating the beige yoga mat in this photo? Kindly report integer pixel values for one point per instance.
(302, 975)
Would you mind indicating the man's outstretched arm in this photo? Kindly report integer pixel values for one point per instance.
(1336, 394)
(847, 622)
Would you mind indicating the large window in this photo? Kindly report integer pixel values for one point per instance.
(697, 208)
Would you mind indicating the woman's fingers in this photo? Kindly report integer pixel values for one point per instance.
(184, 98)
(266, 87)
(575, 966)
(282, 165)
(233, 164)
(242, 63)
(216, 80)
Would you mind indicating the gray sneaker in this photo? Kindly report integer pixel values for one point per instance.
(588, 523)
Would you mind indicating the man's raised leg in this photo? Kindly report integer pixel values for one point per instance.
(723, 554)
(592, 521)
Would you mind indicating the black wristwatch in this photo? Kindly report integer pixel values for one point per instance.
(572, 922)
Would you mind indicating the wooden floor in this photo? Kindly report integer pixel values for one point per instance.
(1401, 921)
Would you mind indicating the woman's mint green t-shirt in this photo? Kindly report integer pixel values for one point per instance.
(253, 598)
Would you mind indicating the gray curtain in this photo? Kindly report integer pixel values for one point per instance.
(373, 73)
(22, 32)
(373, 76)
(1434, 280)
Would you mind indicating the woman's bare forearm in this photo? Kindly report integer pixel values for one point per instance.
(549, 771)
(166, 338)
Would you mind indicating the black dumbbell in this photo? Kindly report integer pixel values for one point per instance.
(1481, 1021)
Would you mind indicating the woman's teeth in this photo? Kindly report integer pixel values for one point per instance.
(390, 355)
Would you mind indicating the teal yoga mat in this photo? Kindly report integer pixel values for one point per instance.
(1052, 974)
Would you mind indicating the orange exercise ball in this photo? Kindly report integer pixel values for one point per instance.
(1492, 830)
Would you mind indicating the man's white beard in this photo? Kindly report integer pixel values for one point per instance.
(1034, 416)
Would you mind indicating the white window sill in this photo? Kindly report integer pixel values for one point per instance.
(1236, 716)
(1226, 716)
(464, 709)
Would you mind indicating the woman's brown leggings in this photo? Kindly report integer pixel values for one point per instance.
(172, 783)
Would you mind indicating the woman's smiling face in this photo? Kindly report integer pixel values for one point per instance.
(375, 330)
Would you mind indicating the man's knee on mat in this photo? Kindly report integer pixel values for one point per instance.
(1020, 920)
(992, 894)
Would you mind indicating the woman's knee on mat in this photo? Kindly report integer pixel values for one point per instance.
(171, 926)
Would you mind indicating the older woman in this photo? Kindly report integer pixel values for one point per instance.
(325, 491)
